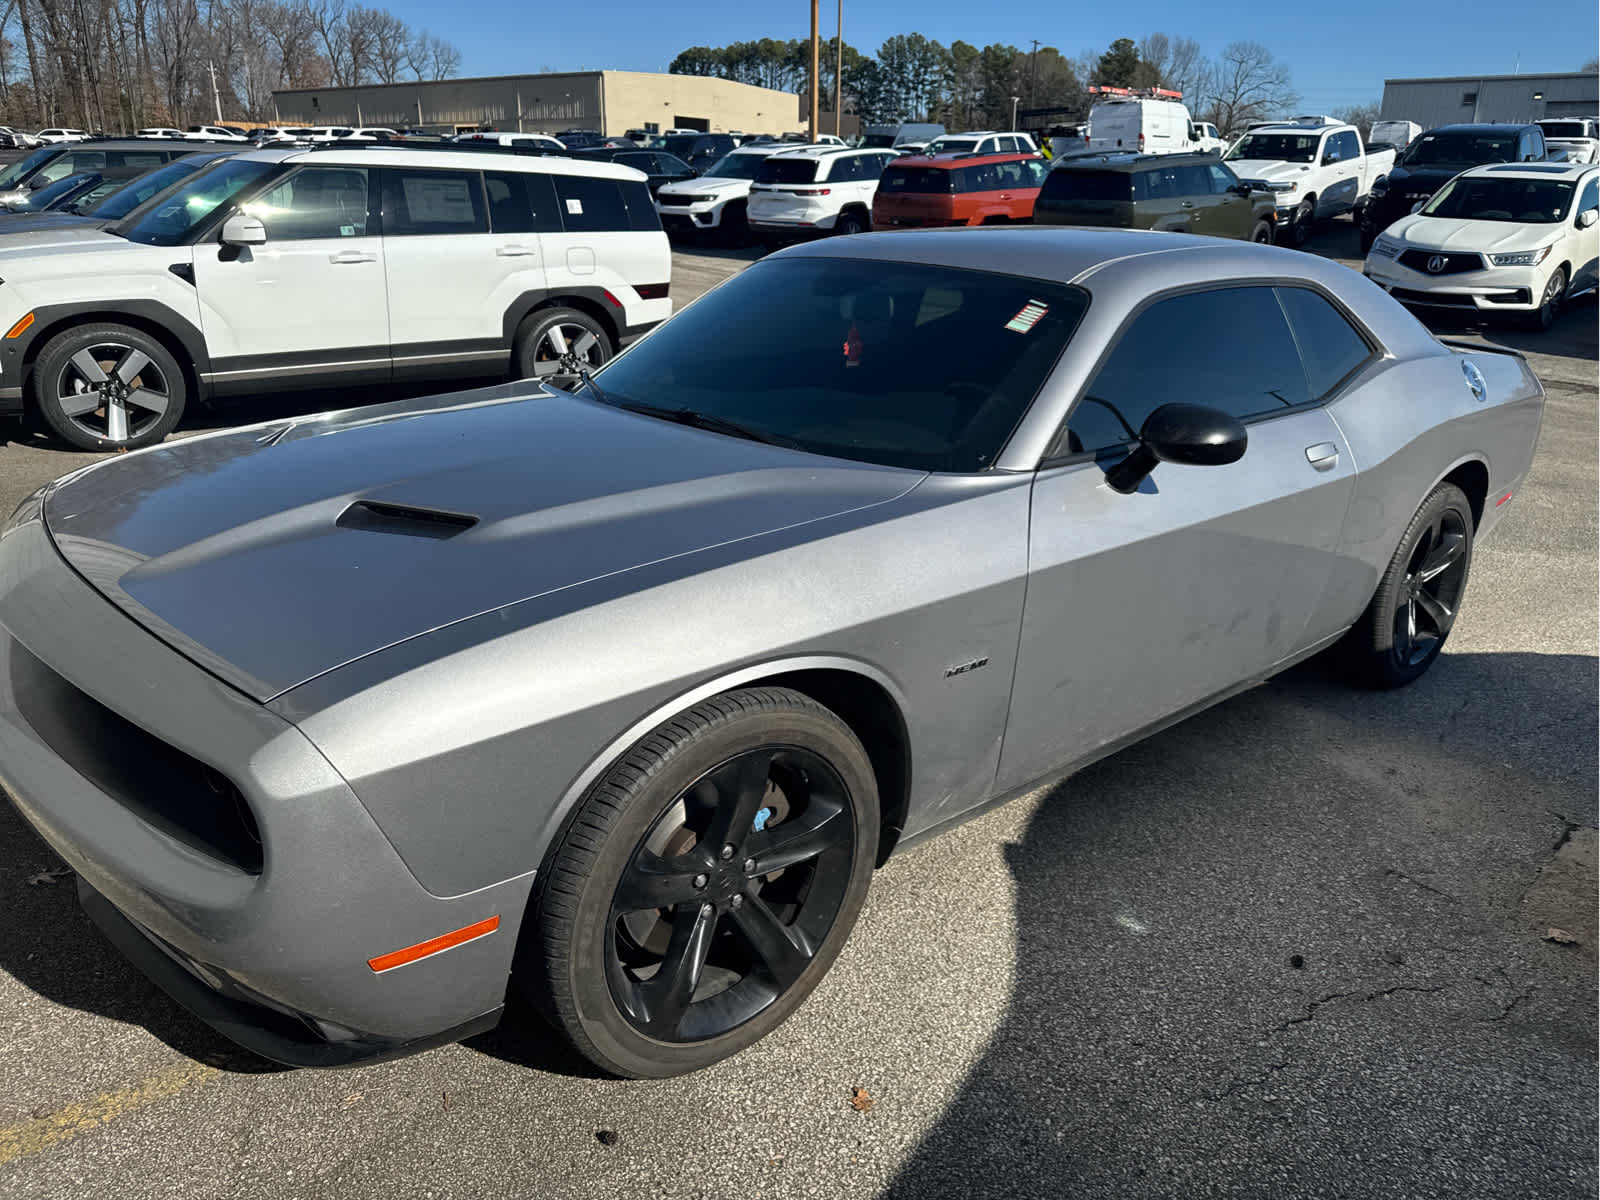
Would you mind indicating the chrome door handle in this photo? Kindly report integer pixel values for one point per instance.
(514, 251)
(352, 256)
(1187, 204)
(1324, 456)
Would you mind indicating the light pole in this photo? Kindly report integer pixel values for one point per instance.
(838, 76)
(1014, 100)
(816, 79)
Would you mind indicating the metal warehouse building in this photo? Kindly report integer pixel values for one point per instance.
(610, 102)
(1452, 100)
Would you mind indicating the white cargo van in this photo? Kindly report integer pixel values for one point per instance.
(1398, 134)
(1151, 121)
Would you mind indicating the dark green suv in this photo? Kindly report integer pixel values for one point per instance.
(1174, 193)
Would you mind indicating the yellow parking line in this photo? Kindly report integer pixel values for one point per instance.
(68, 1122)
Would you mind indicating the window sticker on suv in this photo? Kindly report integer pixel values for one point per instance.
(1028, 316)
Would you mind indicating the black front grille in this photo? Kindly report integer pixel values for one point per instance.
(1433, 299)
(1452, 264)
(671, 201)
(157, 782)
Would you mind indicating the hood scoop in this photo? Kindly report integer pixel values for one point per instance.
(373, 516)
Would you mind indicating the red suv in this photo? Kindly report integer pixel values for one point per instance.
(957, 189)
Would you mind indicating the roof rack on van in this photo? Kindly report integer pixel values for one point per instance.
(1152, 93)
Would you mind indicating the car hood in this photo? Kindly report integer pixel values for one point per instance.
(707, 185)
(1421, 179)
(1268, 169)
(51, 229)
(37, 251)
(273, 554)
(1441, 233)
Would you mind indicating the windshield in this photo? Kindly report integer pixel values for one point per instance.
(905, 180)
(883, 140)
(42, 199)
(1460, 149)
(170, 221)
(736, 166)
(118, 204)
(680, 144)
(13, 175)
(852, 358)
(1564, 129)
(1480, 198)
(952, 145)
(1277, 147)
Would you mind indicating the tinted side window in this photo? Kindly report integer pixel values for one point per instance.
(642, 215)
(1589, 198)
(984, 177)
(317, 202)
(671, 164)
(1221, 178)
(430, 202)
(146, 160)
(639, 162)
(1195, 180)
(1036, 172)
(1329, 345)
(845, 169)
(521, 202)
(1230, 348)
(590, 205)
(1351, 145)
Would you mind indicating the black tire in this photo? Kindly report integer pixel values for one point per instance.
(848, 222)
(594, 964)
(1304, 218)
(108, 387)
(735, 225)
(1419, 596)
(1555, 293)
(1368, 235)
(553, 344)
(1262, 233)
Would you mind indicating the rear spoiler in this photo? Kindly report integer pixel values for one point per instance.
(1480, 347)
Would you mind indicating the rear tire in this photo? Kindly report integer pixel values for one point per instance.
(848, 223)
(656, 941)
(1418, 597)
(108, 387)
(553, 344)
(1262, 233)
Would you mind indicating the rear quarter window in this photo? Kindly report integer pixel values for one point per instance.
(1098, 187)
(917, 181)
(591, 205)
(1330, 346)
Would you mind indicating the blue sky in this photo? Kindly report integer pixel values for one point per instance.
(1338, 54)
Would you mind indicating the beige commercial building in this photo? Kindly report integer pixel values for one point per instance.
(610, 102)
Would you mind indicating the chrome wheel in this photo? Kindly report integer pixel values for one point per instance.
(112, 391)
(563, 350)
(1430, 593)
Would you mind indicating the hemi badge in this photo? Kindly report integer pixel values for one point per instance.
(963, 668)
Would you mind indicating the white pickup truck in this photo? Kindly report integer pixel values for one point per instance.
(1317, 168)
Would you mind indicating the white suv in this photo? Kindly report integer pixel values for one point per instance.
(812, 189)
(327, 267)
(716, 202)
(982, 142)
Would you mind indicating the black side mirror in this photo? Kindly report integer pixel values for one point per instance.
(1191, 434)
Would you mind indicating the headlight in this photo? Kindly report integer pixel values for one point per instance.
(1521, 258)
(698, 199)
(1386, 247)
(1283, 187)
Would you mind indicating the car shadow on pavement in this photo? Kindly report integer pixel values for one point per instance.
(1283, 949)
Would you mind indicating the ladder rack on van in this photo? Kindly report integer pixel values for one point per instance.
(1152, 93)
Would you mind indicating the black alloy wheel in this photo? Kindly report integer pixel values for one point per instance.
(1262, 233)
(727, 898)
(1418, 598)
(704, 885)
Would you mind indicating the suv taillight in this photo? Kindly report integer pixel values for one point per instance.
(1141, 139)
(813, 191)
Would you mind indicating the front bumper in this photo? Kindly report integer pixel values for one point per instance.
(98, 718)
(1496, 289)
(694, 218)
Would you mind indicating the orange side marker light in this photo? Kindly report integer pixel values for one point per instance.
(21, 327)
(399, 958)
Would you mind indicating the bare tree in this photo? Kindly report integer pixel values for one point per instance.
(391, 44)
(1248, 84)
(1361, 116)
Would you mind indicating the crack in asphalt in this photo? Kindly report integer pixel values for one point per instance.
(1404, 878)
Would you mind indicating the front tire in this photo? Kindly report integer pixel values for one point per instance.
(108, 387)
(1419, 595)
(1555, 293)
(1304, 218)
(1262, 233)
(554, 344)
(705, 884)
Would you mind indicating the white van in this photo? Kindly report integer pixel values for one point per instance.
(1153, 122)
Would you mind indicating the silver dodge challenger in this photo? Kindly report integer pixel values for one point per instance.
(356, 727)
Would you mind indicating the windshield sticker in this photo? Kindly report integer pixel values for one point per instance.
(1028, 317)
(575, 207)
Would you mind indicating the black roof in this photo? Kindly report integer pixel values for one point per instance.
(1133, 162)
(1480, 127)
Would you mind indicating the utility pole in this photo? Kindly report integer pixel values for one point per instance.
(816, 80)
(1014, 100)
(215, 95)
(1033, 79)
(838, 77)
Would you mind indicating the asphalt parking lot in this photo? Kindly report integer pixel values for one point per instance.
(1313, 942)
